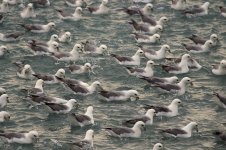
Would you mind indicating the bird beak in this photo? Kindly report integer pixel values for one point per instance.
(137, 97)
(197, 129)
(191, 83)
(144, 128)
(7, 99)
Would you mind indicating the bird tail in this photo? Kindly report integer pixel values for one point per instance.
(132, 21)
(128, 122)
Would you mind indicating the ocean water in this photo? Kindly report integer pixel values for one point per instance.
(114, 31)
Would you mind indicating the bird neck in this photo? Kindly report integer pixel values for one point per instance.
(89, 113)
(188, 128)
(136, 57)
(161, 52)
(137, 130)
(39, 86)
(173, 108)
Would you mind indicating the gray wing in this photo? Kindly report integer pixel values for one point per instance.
(44, 77)
(173, 67)
(133, 70)
(61, 54)
(81, 118)
(12, 135)
(148, 19)
(69, 81)
(64, 13)
(149, 51)
(153, 80)
(192, 47)
(56, 107)
(92, 9)
(14, 35)
(168, 87)
(221, 98)
(174, 131)
(216, 66)
(37, 48)
(222, 9)
(120, 130)
(197, 40)
(131, 10)
(157, 108)
(122, 58)
(82, 144)
(134, 120)
(141, 36)
(78, 88)
(32, 26)
(194, 10)
(74, 67)
(109, 94)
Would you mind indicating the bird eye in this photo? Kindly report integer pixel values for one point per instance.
(179, 102)
(160, 146)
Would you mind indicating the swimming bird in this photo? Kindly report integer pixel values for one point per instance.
(37, 90)
(79, 69)
(4, 99)
(147, 118)
(71, 56)
(102, 9)
(143, 27)
(83, 119)
(4, 116)
(178, 4)
(222, 11)
(198, 49)
(156, 55)
(39, 28)
(125, 60)
(192, 63)
(219, 69)
(142, 38)
(95, 50)
(28, 12)
(68, 82)
(49, 43)
(21, 137)
(134, 132)
(146, 72)
(179, 68)
(200, 41)
(179, 88)
(85, 90)
(65, 37)
(119, 95)
(221, 99)
(185, 132)
(10, 36)
(4, 7)
(61, 108)
(158, 146)
(220, 135)
(132, 10)
(3, 50)
(151, 21)
(168, 111)
(49, 78)
(24, 71)
(197, 10)
(77, 15)
(155, 80)
(87, 142)
(41, 49)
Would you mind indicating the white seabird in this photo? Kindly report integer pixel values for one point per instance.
(3, 50)
(65, 37)
(156, 55)
(37, 90)
(146, 28)
(168, 111)
(24, 71)
(178, 4)
(219, 69)
(102, 9)
(179, 88)
(199, 49)
(4, 116)
(142, 38)
(49, 43)
(4, 99)
(200, 41)
(135, 10)
(96, 50)
(158, 146)
(39, 28)
(87, 142)
(155, 80)
(21, 138)
(83, 119)
(147, 118)
(61, 108)
(77, 15)
(222, 11)
(79, 69)
(125, 60)
(134, 132)
(28, 12)
(178, 68)
(71, 56)
(198, 10)
(146, 72)
(119, 95)
(185, 132)
(51, 79)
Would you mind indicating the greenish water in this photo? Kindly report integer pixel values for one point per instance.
(114, 31)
